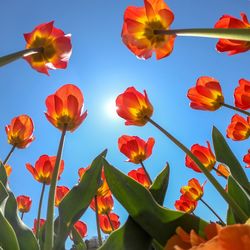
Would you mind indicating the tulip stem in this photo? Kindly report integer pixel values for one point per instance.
(237, 209)
(15, 56)
(39, 211)
(9, 155)
(236, 109)
(97, 222)
(49, 229)
(232, 34)
(22, 214)
(110, 222)
(219, 172)
(146, 172)
(222, 222)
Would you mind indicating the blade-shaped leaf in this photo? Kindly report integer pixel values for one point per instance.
(3, 175)
(79, 243)
(225, 155)
(78, 199)
(3, 192)
(160, 223)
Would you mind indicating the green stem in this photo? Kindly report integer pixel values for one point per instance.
(110, 222)
(232, 34)
(9, 155)
(49, 229)
(97, 222)
(222, 222)
(146, 172)
(236, 109)
(237, 209)
(39, 211)
(219, 172)
(22, 214)
(14, 56)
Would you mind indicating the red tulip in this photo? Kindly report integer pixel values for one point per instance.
(20, 131)
(232, 46)
(81, 228)
(105, 224)
(64, 108)
(242, 94)
(140, 24)
(53, 45)
(140, 176)
(206, 95)
(8, 169)
(246, 159)
(61, 192)
(105, 204)
(41, 223)
(43, 169)
(223, 170)
(185, 205)
(239, 128)
(134, 107)
(23, 203)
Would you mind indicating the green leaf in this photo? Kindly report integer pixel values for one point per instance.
(79, 243)
(225, 155)
(240, 196)
(3, 192)
(78, 199)
(3, 175)
(158, 222)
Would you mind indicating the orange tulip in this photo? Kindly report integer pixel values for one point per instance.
(81, 228)
(64, 108)
(232, 46)
(246, 159)
(223, 170)
(53, 45)
(136, 149)
(204, 154)
(185, 205)
(61, 191)
(239, 128)
(206, 95)
(134, 107)
(242, 94)
(105, 224)
(140, 176)
(43, 169)
(8, 169)
(20, 131)
(193, 191)
(140, 24)
(23, 203)
(41, 223)
(105, 204)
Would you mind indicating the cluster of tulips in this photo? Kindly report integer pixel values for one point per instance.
(146, 30)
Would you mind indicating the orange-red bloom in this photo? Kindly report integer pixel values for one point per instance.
(204, 154)
(185, 205)
(23, 203)
(239, 128)
(81, 228)
(8, 169)
(140, 24)
(105, 204)
(193, 191)
(41, 223)
(64, 108)
(232, 46)
(61, 191)
(53, 45)
(136, 149)
(20, 131)
(105, 225)
(140, 176)
(242, 94)
(223, 170)
(44, 167)
(134, 107)
(206, 95)
(246, 159)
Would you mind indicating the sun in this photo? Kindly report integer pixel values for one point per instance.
(110, 108)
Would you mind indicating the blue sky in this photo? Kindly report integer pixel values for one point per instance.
(102, 67)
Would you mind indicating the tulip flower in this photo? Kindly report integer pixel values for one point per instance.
(232, 46)
(134, 107)
(185, 205)
(109, 223)
(242, 94)
(43, 169)
(61, 192)
(204, 154)
(140, 23)
(8, 169)
(246, 159)
(206, 95)
(140, 176)
(193, 191)
(20, 131)
(23, 203)
(223, 171)
(64, 108)
(53, 46)
(105, 204)
(136, 149)
(81, 228)
(41, 223)
(239, 128)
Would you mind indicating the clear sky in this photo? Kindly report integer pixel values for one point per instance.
(102, 67)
